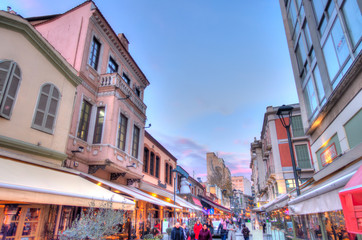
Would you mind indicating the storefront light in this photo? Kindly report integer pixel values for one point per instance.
(154, 194)
(116, 191)
(99, 183)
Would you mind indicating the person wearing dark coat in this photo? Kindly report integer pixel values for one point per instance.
(128, 228)
(177, 232)
(245, 232)
(205, 233)
(222, 230)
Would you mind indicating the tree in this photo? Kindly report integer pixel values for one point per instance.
(95, 223)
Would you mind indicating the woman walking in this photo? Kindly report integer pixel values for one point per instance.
(231, 227)
(204, 233)
(197, 229)
(210, 226)
(222, 229)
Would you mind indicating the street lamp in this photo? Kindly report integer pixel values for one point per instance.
(287, 111)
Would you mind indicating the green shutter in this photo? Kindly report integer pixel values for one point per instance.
(354, 130)
(297, 126)
(302, 156)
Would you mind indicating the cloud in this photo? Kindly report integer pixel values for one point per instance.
(192, 156)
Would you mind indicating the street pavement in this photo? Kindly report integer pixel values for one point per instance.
(254, 235)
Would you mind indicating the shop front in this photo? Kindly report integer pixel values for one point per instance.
(38, 202)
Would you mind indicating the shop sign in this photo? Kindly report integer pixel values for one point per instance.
(328, 155)
(211, 211)
(164, 225)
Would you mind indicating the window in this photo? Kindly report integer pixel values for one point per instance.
(335, 50)
(301, 56)
(290, 183)
(152, 164)
(166, 172)
(138, 92)
(353, 130)
(297, 126)
(46, 109)
(136, 140)
(157, 169)
(126, 78)
(94, 53)
(122, 132)
(99, 125)
(353, 18)
(292, 16)
(170, 178)
(310, 98)
(302, 156)
(112, 66)
(10, 77)
(145, 160)
(84, 120)
(323, 10)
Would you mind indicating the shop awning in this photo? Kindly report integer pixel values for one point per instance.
(351, 199)
(323, 192)
(30, 183)
(197, 202)
(154, 190)
(277, 203)
(215, 205)
(134, 193)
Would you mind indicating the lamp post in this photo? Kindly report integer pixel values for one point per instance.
(287, 111)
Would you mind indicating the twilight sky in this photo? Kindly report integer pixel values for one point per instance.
(214, 67)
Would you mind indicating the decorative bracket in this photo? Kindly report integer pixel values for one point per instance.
(94, 168)
(115, 176)
(130, 181)
(161, 185)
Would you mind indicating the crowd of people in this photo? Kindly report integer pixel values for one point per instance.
(227, 229)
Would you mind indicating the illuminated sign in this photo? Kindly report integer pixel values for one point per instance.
(329, 154)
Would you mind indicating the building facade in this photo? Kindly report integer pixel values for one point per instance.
(242, 184)
(109, 113)
(324, 40)
(37, 93)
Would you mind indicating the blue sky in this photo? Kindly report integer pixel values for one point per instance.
(214, 67)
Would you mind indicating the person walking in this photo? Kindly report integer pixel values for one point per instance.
(231, 227)
(222, 229)
(204, 233)
(128, 228)
(186, 231)
(245, 232)
(210, 226)
(177, 232)
(197, 229)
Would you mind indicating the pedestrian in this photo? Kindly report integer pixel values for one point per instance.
(156, 228)
(210, 226)
(222, 229)
(204, 233)
(239, 222)
(128, 228)
(231, 227)
(186, 231)
(264, 226)
(177, 232)
(197, 229)
(245, 232)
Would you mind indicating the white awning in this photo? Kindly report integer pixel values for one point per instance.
(31, 183)
(148, 188)
(133, 192)
(323, 197)
(277, 203)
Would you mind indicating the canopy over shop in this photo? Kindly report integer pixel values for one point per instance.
(212, 208)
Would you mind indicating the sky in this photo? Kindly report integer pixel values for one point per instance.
(214, 66)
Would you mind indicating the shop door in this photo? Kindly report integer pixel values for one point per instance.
(19, 222)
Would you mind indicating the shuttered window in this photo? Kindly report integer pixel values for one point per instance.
(10, 77)
(303, 156)
(122, 132)
(157, 169)
(145, 160)
(152, 164)
(47, 107)
(297, 126)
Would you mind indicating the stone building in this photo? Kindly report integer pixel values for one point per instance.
(218, 173)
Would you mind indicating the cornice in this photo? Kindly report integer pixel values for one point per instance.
(26, 147)
(18, 24)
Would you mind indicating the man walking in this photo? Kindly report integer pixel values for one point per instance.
(245, 232)
(177, 232)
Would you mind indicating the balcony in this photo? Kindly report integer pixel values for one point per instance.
(115, 80)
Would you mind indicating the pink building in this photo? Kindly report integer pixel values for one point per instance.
(107, 130)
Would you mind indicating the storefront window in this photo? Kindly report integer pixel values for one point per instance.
(335, 225)
(314, 229)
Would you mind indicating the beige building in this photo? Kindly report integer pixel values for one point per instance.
(241, 183)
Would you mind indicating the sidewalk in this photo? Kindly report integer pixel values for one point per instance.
(254, 235)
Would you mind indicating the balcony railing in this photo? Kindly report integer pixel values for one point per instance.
(114, 79)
